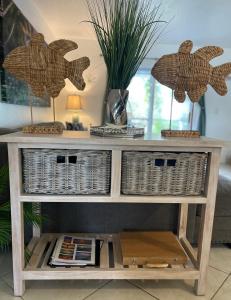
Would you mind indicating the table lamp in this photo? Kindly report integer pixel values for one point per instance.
(74, 104)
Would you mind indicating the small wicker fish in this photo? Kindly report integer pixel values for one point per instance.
(186, 72)
(44, 67)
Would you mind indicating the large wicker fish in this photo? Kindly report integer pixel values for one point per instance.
(44, 67)
(191, 72)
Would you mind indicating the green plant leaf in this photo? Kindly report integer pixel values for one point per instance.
(5, 207)
(5, 225)
(4, 178)
(27, 255)
(126, 31)
(5, 233)
(31, 215)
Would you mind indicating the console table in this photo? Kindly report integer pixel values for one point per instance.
(41, 245)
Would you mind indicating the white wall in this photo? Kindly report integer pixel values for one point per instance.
(218, 111)
(219, 108)
(95, 78)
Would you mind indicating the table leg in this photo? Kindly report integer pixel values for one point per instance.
(17, 219)
(206, 226)
(182, 220)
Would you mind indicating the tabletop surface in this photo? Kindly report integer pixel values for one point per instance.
(84, 138)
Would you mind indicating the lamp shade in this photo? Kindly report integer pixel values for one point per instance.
(73, 102)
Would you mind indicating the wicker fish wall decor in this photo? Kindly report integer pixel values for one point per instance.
(44, 67)
(186, 72)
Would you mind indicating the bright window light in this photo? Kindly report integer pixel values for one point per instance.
(149, 105)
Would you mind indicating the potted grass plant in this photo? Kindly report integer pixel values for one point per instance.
(30, 215)
(126, 31)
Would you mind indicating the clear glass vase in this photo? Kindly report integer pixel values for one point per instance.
(116, 112)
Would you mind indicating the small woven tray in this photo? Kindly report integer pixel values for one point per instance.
(44, 128)
(127, 132)
(181, 133)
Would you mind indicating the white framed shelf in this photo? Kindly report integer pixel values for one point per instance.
(41, 246)
(38, 268)
(110, 199)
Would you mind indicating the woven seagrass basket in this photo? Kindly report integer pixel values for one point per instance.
(161, 173)
(49, 171)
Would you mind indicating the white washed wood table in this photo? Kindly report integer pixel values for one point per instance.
(42, 245)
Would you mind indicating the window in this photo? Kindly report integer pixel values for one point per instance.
(149, 105)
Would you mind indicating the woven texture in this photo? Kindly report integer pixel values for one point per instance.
(154, 173)
(44, 67)
(186, 72)
(180, 133)
(45, 128)
(48, 171)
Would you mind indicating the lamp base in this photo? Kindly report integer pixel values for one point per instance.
(75, 119)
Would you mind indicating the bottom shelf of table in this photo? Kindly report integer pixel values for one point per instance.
(111, 266)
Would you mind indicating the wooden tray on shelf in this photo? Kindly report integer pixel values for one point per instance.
(154, 249)
(111, 264)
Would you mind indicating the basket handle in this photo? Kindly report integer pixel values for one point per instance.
(60, 159)
(160, 162)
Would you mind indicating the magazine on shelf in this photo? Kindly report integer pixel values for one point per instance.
(73, 251)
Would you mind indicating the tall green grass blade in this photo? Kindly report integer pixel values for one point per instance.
(126, 31)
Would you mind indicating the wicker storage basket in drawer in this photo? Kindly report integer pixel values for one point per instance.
(48, 171)
(161, 173)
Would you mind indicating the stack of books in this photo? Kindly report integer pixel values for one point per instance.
(73, 251)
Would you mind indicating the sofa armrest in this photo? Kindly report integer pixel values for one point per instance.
(225, 171)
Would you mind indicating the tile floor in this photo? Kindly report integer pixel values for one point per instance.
(219, 285)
